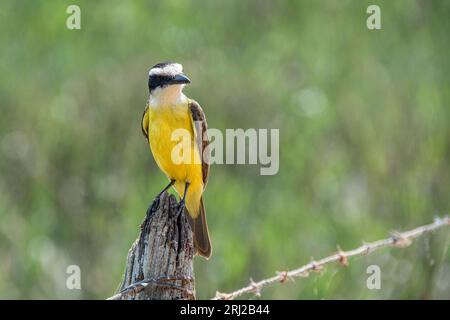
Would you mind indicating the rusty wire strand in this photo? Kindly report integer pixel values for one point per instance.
(397, 239)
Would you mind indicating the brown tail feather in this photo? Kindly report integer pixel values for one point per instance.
(201, 236)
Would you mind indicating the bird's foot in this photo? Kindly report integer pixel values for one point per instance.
(157, 200)
(154, 205)
(180, 208)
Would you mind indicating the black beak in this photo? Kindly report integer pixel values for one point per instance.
(180, 79)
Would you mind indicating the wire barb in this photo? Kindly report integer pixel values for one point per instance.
(343, 260)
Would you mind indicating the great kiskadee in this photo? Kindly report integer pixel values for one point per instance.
(168, 110)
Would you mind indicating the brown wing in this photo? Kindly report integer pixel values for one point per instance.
(144, 123)
(201, 136)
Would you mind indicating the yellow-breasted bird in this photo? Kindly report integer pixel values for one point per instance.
(168, 110)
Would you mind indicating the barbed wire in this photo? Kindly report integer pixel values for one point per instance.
(397, 239)
(139, 286)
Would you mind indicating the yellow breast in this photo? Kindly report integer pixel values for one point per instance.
(165, 141)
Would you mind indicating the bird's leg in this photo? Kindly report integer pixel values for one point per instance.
(172, 182)
(182, 203)
(158, 197)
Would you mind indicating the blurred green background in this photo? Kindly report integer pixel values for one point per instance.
(364, 119)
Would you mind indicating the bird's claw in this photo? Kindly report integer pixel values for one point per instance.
(157, 200)
(155, 204)
(180, 208)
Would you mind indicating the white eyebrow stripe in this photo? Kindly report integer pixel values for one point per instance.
(169, 70)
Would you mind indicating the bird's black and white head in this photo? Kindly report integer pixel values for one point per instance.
(166, 81)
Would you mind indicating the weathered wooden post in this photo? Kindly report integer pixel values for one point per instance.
(159, 264)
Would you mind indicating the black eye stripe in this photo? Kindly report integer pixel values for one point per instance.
(155, 81)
